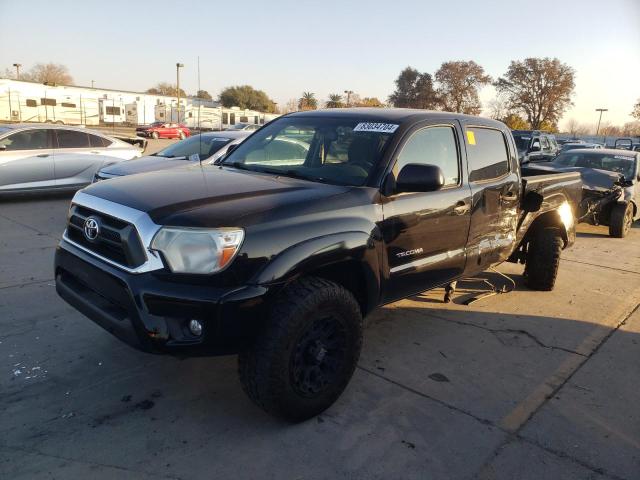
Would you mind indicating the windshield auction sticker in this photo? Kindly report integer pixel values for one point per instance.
(376, 127)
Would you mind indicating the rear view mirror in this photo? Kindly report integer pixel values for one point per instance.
(415, 177)
(532, 202)
(535, 146)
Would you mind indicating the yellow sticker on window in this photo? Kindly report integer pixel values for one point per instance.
(471, 138)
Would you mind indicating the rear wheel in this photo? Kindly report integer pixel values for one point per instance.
(155, 135)
(305, 356)
(543, 259)
(620, 220)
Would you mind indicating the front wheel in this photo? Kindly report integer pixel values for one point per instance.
(307, 351)
(543, 259)
(181, 135)
(620, 220)
(155, 135)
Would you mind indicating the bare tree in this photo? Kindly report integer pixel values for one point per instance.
(636, 110)
(290, 106)
(458, 85)
(165, 88)
(540, 88)
(51, 73)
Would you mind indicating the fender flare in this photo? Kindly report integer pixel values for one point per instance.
(315, 253)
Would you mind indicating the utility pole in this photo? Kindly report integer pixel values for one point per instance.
(600, 118)
(17, 65)
(178, 66)
(92, 83)
(348, 94)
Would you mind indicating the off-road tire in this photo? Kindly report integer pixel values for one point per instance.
(155, 135)
(543, 259)
(269, 368)
(620, 220)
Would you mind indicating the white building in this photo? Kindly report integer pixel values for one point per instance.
(22, 101)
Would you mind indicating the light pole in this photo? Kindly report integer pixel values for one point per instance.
(92, 83)
(178, 65)
(600, 118)
(348, 94)
(17, 65)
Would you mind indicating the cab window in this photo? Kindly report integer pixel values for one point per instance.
(432, 146)
(487, 154)
(26, 140)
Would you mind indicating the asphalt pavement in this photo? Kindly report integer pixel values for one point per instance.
(523, 385)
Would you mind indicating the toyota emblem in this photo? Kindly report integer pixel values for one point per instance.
(91, 228)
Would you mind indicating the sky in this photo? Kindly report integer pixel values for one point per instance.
(287, 47)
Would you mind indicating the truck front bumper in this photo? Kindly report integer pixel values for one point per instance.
(152, 312)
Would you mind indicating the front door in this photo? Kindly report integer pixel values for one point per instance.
(425, 234)
(496, 192)
(26, 160)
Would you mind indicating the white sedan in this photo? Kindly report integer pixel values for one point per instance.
(48, 157)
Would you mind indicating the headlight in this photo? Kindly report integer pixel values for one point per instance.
(566, 215)
(195, 250)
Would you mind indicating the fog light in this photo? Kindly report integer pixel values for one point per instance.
(195, 327)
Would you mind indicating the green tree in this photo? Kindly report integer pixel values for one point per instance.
(414, 90)
(370, 102)
(539, 88)
(636, 110)
(335, 101)
(168, 89)
(308, 101)
(458, 85)
(245, 96)
(204, 95)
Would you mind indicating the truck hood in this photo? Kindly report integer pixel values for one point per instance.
(211, 196)
(144, 164)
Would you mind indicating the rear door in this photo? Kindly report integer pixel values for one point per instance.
(496, 191)
(26, 161)
(74, 162)
(425, 233)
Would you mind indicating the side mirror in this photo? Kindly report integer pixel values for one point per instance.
(415, 177)
(532, 202)
(535, 146)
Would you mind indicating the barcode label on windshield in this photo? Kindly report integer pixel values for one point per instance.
(376, 127)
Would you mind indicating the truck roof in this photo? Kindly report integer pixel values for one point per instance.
(394, 115)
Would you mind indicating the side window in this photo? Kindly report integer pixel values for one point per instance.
(433, 146)
(545, 143)
(27, 140)
(96, 141)
(487, 153)
(72, 139)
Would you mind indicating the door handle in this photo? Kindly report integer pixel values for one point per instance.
(43, 155)
(461, 208)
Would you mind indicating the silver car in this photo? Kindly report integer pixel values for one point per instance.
(48, 157)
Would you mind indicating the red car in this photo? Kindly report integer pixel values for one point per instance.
(164, 130)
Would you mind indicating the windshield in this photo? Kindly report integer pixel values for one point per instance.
(205, 145)
(522, 142)
(623, 164)
(332, 150)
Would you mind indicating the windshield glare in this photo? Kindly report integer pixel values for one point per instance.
(201, 144)
(319, 149)
(623, 164)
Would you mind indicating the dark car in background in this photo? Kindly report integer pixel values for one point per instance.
(207, 146)
(610, 185)
(579, 145)
(163, 130)
(535, 145)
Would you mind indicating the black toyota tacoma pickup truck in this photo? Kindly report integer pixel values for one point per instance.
(279, 251)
